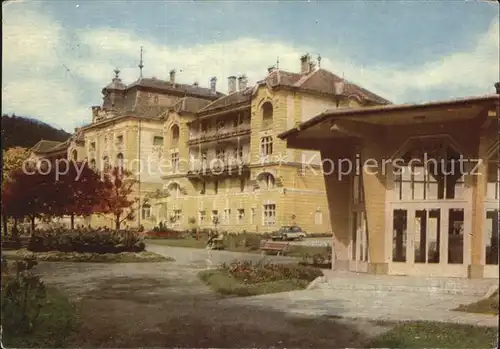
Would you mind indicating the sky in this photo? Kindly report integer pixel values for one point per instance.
(59, 54)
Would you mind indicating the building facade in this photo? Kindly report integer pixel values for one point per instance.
(422, 196)
(199, 154)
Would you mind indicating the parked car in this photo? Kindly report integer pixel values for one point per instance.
(289, 232)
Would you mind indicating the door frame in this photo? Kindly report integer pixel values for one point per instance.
(443, 268)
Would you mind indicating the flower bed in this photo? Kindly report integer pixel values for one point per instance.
(96, 241)
(252, 273)
(249, 279)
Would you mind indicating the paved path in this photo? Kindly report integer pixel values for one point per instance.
(201, 258)
(356, 296)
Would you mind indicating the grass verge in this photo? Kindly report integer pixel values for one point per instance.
(435, 335)
(484, 306)
(54, 327)
(221, 282)
(293, 250)
(56, 256)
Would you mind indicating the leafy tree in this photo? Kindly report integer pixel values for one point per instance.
(78, 191)
(12, 160)
(116, 195)
(27, 195)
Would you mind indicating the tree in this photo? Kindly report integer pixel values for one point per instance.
(27, 195)
(12, 160)
(118, 187)
(79, 191)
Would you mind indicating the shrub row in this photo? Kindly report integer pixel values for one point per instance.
(97, 241)
(252, 273)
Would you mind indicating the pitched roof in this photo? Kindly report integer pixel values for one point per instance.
(322, 81)
(44, 146)
(190, 104)
(318, 80)
(235, 98)
(191, 90)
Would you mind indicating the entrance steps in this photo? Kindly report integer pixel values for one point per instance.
(340, 280)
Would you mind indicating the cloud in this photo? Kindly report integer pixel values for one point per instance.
(56, 74)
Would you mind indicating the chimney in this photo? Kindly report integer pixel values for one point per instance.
(305, 64)
(172, 76)
(231, 84)
(242, 82)
(213, 83)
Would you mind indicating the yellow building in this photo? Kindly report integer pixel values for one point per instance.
(205, 154)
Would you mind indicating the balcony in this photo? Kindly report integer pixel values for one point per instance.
(216, 135)
(218, 167)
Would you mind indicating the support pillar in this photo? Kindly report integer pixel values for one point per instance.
(476, 268)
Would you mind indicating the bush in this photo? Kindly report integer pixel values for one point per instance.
(165, 234)
(251, 273)
(97, 241)
(23, 295)
(319, 260)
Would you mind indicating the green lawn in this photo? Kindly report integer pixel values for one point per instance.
(435, 335)
(222, 283)
(293, 251)
(55, 325)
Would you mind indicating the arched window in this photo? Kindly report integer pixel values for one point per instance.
(174, 190)
(266, 181)
(267, 114)
(74, 155)
(92, 164)
(175, 136)
(119, 160)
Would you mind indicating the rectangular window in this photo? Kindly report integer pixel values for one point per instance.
(266, 145)
(204, 126)
(215, 216)
(238, 153)
(202, 217)
(175, 161)
(318, 217)
(119, 140)
(146, 211)
(227, 216)
(269, 214)
(92, 146)
(242, 184)
(157, 141)
(252, 216)
(177, 216)
(216, 186)
(241, 215)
